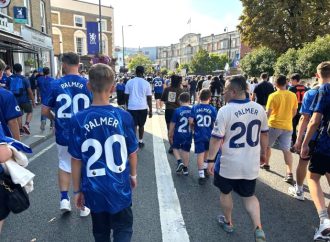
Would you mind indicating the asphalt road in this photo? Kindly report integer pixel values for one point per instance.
(284, 219)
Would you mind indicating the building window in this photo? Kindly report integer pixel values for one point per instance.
(43, 17)
(79, 21)
(223, 44)
(56, 17)
(28, 11)
(104, 26)
(233, 43)
(4, 11)
(79, 45)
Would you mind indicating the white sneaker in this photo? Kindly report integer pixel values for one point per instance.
(85, 212)
(294, 192)
(323, 233)
(65, 206)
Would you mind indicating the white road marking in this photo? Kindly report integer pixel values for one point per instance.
(41, 152)
(171, 219)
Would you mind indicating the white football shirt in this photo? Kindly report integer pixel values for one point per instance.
(138, 89)
(239, 124)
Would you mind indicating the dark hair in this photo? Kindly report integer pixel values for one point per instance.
(176, 81)
(46, 71)
(8, 68)
(71, 59)
(34, 72)
(209, 77)
(295, 76)
(184, 97)
(324, 69)
(205, 94)
(281, 80)
(139, 71)
(264, 75)
(255, 80)
(17, 68)
(101, 76)
(216, 85)
(238, 83)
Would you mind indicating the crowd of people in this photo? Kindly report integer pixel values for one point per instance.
(232, 122)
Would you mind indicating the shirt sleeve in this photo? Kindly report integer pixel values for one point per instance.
(27, 83)
(264, 122)
(50, 98)
(306, 104)
(74, 145)
(11, 108)
(149, 93)
(319, 101)
(130, 136)
(270, 102)
(219, 125)
(127, 88)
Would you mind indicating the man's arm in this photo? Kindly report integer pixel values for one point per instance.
(46, 111)
(14, 128)
(133, 167)
(311, 129)
(264, 139)
(30, 93)
(171, 132)
(268, 112)
(76, 181)
(149, 101)
(253, 97)
(215, 146)
(302, 127)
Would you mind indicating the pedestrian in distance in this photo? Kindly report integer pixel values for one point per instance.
(139, 99)
(171, 99)
(201, 121)
(192, 90)
(216, 89)
(67, 96)
(22, 91)
(180, 135)
(281, 108)
(320, 159)
(120, 92)
(262, 91)
(6, 74)
(237, 167)
(107, 190)
(158, 87)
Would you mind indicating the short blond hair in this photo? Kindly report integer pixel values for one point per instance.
(101, 77)
(324, 69)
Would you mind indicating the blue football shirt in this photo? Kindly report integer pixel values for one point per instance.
(120, 87)
(322, 106)
(9, 109)
(158, 85)
(67, 96)
(204, 116)
(103, 137)
(308, 101)
(24, 96)
(44, 85)
(182, 132)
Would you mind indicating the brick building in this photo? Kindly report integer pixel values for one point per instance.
(69, 19)
(27, 43)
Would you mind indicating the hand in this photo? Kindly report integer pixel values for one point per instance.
(304, 153)
(297, 147)
(79, 201)
(34, 105)
(210, 168)
(133, 182)
(150, 114)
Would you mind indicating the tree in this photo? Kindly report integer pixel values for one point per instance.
(312, 54)
(163, 71)
(218, 61)
(258, 61)
(140, 60)
(200, 63)
(183, 66)
(285, 24)
(287, 63)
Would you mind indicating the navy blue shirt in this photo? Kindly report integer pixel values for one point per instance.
(23, 97)
(182, 132)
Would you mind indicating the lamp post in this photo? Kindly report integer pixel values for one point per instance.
(229, 54)
(100, 26)
(122, 33)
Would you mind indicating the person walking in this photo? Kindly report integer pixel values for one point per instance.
(262, 91)
(139, 98)
(216, 89)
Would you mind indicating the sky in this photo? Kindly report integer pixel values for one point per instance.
(164, 22)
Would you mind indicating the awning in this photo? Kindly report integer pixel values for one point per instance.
(14, 43)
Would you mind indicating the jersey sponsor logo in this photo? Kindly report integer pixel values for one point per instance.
(17, 108)
(171, 97)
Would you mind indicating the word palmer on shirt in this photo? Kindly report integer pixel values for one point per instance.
(100, 122)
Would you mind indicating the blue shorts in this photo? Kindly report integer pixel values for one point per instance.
(201, 147)
(185, 146)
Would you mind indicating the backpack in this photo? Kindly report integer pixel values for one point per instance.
(16, 85)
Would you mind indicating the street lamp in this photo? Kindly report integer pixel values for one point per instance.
(100, 26)
(229, 55)
(122, 33)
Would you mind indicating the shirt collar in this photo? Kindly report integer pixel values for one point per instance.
(240, 101)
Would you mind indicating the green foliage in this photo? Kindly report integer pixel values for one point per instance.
(183, 66)
(281, 25)
(140, 60)
(287, 63)
(258, 61)
(218, 61)
(312, 54)
(204, 63)
(163, 71)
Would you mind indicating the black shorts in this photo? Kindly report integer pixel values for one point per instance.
(158, 96)
(139, 116)
(319, 164)
(244, 188)
(168, 115)
(4, 210)
(26, 107)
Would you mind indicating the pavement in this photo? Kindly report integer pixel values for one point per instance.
(154, 200)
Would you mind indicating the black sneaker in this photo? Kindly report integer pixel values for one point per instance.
(185, 171)
(179, 167)
(141, 145)
(207, 175)
(201, 180)
(170, 150)
(288, 178)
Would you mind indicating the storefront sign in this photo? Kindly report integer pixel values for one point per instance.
(92, 38)
(20, 15)
(4, 3)
(6, 26)
(36, 38)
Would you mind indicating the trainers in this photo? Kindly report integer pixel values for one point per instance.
(85, 212)
(201, 180)
(42, 125)
(229, 228)
(288, 178)
(185, 171)
(179, 168)
(323, 233)
(170, 150)
(26, 129)
(259, 235)
(65, 206)
(265, 167)
(141, 145)
(294, 192)
(206, 173)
